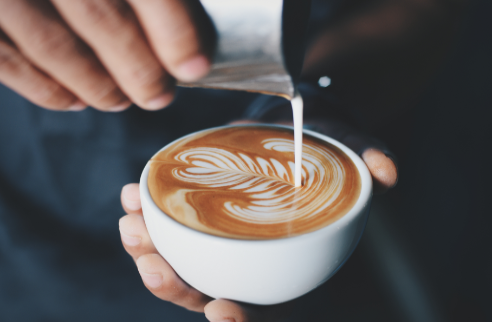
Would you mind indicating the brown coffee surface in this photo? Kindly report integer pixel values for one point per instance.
(238, 182)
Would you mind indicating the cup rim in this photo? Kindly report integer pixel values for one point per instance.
(358, 208)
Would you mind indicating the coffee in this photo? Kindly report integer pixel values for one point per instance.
(238, 182)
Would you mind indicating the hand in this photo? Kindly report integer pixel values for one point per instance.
(159, 277)
(65, 55)
(162, 281)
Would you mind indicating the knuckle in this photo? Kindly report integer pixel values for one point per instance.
(150, 79)
(130, 250)
(49, 94)
(110, 16)
(142, 249)
(135, 254)
(40, 90)
(52, 41)
(104, 93)
(10, 60)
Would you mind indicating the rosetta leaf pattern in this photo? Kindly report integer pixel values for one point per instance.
(267, 183)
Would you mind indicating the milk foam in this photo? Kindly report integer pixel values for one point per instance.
(297, 113)
(239, 182)
(272, 197)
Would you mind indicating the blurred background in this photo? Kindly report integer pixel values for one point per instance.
(426, 253)
(415, 74)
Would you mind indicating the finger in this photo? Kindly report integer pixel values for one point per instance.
(164, 283)
(112, 30)
(21, 76)
(382, 167)
(135, 236)
(225, 310)
(178, 32)
(130, 199)
(383, 170)
(40, 34)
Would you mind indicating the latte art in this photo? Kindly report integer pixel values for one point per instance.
(239, 183)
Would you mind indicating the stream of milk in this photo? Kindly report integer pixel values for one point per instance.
(297, 109)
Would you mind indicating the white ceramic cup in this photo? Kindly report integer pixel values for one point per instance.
(258, 271)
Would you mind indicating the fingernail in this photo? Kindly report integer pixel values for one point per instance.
(132, 204)
(77, 106)
(120, 107)
(159, 102)
(130, 240)
(193, 69)
(152, 280)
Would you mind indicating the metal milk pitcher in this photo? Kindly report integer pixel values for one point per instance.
(260, 45)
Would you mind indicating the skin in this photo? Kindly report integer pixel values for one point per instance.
(159, 277)
(65, 55)
(163, 282)
(364, 32)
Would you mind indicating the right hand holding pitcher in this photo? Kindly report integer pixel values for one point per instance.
(65, 55)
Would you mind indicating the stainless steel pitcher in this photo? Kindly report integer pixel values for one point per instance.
(259, 45)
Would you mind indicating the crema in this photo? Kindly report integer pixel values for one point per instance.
(238, 182)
